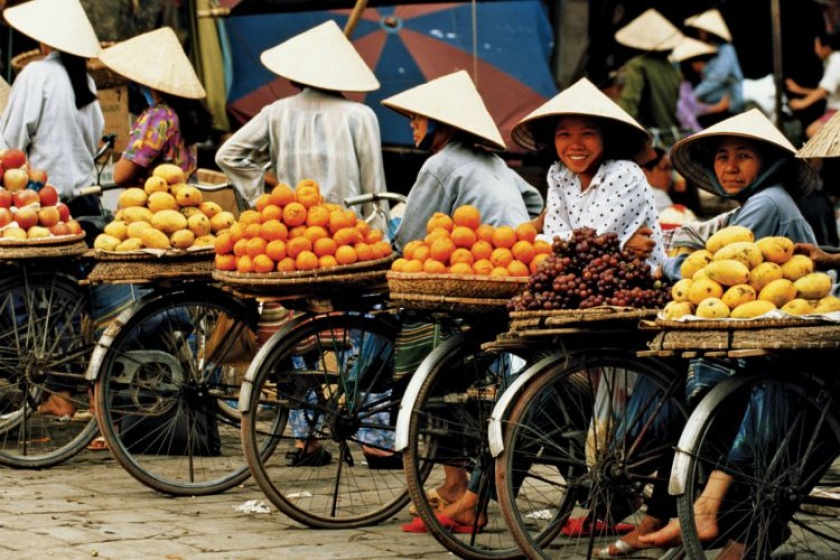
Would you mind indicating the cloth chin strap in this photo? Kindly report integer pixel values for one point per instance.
(429, 138)
(752, 187)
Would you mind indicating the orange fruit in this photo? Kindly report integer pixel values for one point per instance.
(297, 231)
(364, 251)
(413, 266)
(309, 197)
(501, 257)
(484, 232)
(410, 247)
(381, 249)
(262, 264)
(483, 267)
(282, 194)
(250, 217)
(467, 216)
(434, 267)
(313, 233)
(526, 232)
(518, 268)
(499, 271)
(422, 253)
(327, 261)
(346, 255)
(296, 246)
(274, 229)
(463, 236)
(542, 247)
(294, 214)
(262, 201)
(439, 219)
(286, 265)
(226, 261)
(306, 260)
(435, 234)
(252, 231)
(399, 264)
(460, 268)
(236, 231)
(240, 247)
(244, 264)
(256, 246)
(223, 244)
(340, 219)
(523, 251)
(374, 235)
(461, 255)
(276, 250)
(504, 236)
(482, 250)
(441, 249)
(363, 227)
(318, 216)
(346, 236)
(271, 212)
(538, 258)
(324, 246)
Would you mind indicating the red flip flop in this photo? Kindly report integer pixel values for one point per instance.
(417, 526)
(578, 527)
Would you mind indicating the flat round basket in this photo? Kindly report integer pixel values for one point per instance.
(48, 247)
(352, 276)
(456, 285)
(449, 305)
(521, 321)
(152, 255)
(141, 272)
(102, 76)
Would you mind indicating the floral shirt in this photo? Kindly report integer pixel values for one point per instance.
(156, 138)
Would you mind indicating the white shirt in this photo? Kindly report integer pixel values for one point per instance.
(311, 135)
(42, 120)
(618, 200)
(830, 80)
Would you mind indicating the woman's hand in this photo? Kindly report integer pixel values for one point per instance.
(822, 260)
(641, 242)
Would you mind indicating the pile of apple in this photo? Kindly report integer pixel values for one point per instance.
(29, 206)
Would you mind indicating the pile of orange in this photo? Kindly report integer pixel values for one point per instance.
(461, 244)
(294, 229)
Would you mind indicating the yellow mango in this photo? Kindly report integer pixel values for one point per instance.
(798, 306)
(162, 201)
(169, 221)
(738, 294)
(797, 266)
(118, 229)
(222, 220)
(827, 304)
(704, 288)
(677, 309)
(155, 184)
(752, 309)
(130, 244)
(155, 239)
(745, 252)
(133, 196)
(208, 240)
(679, 291)
(694, 262)
(136, 214)
(199, 224)
(182, 238)
(712, 308)
(105, 242)
(779, 292)
(189, 196)
(134, 229)
(813, 286)
(727, 272)
(727, 235)
(775, 249)
(171, 172)
(763, 274)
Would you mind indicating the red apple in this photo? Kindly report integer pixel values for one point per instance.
(37, 175)
(48, 216)
(5, 217)
(64, 210)
(60, 229)
(25, 197)
(12, 158)
(48, 195)
(15, 179)
(74, 227)
(14, 233)
(5, 198)
(26, 217)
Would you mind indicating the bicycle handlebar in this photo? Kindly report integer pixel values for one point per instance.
(374, 197)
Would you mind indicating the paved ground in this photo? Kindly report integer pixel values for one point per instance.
(89, 507)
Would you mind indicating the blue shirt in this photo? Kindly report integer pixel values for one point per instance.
(722, 75)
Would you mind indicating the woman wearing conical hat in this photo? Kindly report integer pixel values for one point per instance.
(450, 120)
(692, 56)
(52, 113)
(175, 121)
(316, 134)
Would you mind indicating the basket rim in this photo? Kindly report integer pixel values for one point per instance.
(445, 276)
(146, 254)
(737, 324)
(600, 310)
(43, 241)
(336, 272)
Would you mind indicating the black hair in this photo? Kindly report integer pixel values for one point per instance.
(619, 141)
(195, 119)
(651, 164)
(830, 40)
(76, 68)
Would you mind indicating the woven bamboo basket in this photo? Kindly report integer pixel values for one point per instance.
(558, 318)
(456, 285)
(144, 271)
(46, 248)
(152, 256)
(449, 305)
(102, 76)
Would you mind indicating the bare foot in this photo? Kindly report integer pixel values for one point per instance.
(671, 535)
(463, 511)
(632, 539)
(454, 486)
(58, 404)
(732, 551)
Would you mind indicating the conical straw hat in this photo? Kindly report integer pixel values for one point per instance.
(60, 24)
(582, 98)
(692, 156)
(690, 48)
(452, 99)
(825, 143)
(4, 94)
(322, 57)
(155, 59)
(650, 31)
(710, 21)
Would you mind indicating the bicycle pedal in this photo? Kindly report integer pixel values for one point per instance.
(485, 393)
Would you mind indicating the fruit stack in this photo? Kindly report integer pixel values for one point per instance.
(295, 230)
(166, 214)
(29, 206)
(738, 277)
(461, 244)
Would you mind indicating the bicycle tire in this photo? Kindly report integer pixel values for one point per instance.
(157, 394)
(335, 370)
(46, 340)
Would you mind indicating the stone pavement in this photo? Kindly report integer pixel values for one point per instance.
(89, 507)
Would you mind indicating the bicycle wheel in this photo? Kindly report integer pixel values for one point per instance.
(158, 386)
(586, 442)
(448, 428)
(326, 378)
(775, 439)
(45, 342)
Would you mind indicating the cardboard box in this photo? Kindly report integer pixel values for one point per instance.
(114, 103)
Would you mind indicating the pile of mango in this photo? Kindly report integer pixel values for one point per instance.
(736, 276)
(166, 213)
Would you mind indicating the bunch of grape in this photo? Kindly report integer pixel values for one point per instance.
(589, 270)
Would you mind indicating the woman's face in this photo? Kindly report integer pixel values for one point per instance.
(662, 175)
(579, 144)
(419, 127)
(737, 164)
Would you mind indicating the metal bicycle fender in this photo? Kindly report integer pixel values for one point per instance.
(444, 350)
